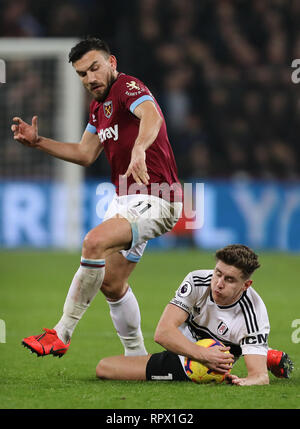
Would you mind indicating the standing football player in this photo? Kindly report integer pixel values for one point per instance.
(127, 124)
(219, 304)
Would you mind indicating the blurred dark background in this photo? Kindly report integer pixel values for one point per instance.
(221, 71)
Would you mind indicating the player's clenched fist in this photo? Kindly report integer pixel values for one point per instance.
(25, 133)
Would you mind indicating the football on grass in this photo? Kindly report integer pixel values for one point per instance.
(200, 373)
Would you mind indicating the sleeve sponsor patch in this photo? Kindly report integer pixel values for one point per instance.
(133, 88)
(255, 339)
(180, 304)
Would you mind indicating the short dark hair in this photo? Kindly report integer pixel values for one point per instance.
(86, 45)
(240, 256)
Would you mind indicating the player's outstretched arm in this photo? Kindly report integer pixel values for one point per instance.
(171, 338)
(83, 153)
(257, 372)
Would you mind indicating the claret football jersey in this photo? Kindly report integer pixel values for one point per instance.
(244, 325)
(117, 127)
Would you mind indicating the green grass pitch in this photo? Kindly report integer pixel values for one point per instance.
(32, 292)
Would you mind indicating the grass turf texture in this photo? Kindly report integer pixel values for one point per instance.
(32, 293)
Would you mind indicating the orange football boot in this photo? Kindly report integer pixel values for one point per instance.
(279, 363)
(46, 344)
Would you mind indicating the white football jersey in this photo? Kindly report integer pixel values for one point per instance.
(244, 325)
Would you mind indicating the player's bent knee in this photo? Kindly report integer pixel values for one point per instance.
(114, 291)
(93, 246)
(102, 369)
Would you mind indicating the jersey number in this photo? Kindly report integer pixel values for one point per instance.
(142, 208)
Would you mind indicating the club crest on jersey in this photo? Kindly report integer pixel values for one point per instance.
(108, 109)
(222, 328)
(185, 289)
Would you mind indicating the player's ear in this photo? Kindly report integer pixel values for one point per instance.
(247, 284)
(113, 61)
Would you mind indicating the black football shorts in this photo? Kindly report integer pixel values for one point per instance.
(165, 366)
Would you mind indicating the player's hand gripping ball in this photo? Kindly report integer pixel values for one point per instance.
(200, 373)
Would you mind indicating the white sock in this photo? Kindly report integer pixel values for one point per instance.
(126, 318)
(84, 287)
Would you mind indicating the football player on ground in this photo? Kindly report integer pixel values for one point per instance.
(220, 304)
(127, 124)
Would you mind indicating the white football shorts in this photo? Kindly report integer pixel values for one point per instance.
(149, 217)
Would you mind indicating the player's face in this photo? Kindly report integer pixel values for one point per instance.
(97, 72)
(227, 284)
